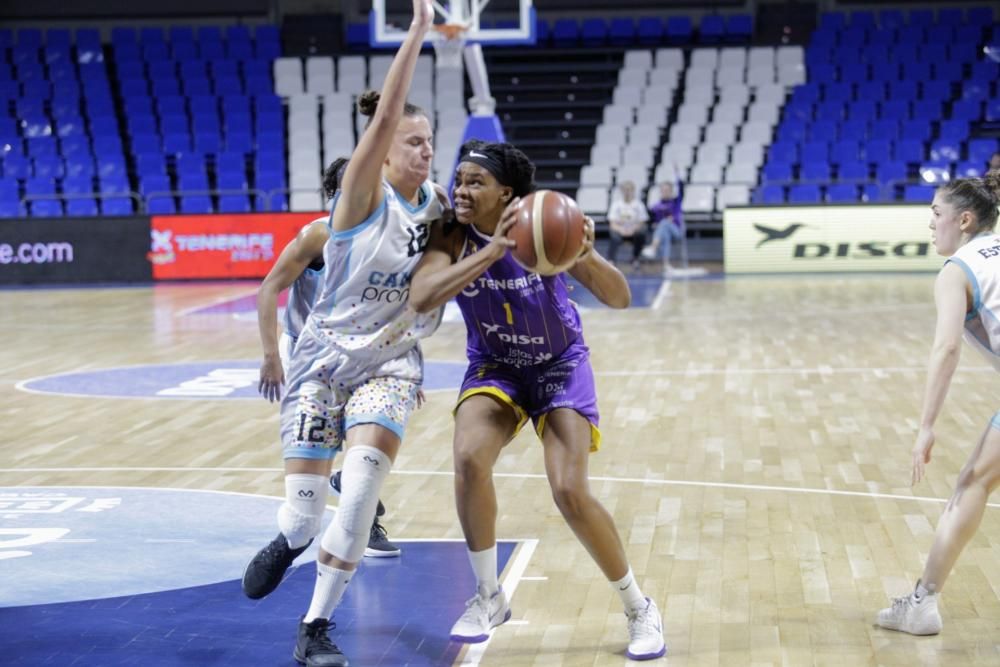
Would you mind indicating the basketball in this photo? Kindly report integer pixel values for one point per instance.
(549, 232)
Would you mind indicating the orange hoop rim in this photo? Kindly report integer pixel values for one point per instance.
(450, 31)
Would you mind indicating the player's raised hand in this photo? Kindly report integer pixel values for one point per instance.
(423, 13)
(500, 240)
(588, 238)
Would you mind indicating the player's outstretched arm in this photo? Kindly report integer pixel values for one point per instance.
(599, 275)
(362, 183)
(293, 260)
(950, 297)
(438, 277)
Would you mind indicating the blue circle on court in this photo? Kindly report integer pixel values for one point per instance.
(198, 380)
(127, 541)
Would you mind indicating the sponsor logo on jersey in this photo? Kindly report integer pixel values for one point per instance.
(512, 338)
(523, 283)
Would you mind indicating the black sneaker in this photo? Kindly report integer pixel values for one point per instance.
(314, 648)
(335, 485)
(265, 570)
(379, 545)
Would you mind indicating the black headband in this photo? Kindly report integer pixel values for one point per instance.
(489, 163)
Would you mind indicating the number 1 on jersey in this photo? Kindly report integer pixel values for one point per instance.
(510, 313)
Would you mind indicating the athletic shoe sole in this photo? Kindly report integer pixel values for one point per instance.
(478, 639)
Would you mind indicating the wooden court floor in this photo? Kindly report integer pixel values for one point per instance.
(756, 449)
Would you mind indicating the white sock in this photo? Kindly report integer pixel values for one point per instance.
(920, 591)
(484, 565)
(629, 592)
(330, 586)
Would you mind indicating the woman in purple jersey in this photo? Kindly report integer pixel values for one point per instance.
(527, 359)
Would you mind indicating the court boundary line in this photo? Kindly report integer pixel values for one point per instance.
(20, 385)
(514, 475)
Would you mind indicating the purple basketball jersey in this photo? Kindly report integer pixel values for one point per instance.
(516, 317)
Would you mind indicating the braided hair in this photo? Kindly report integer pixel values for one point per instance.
(517, 171)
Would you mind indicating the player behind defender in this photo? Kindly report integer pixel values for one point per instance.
(299, 270)
(527, 359)
(357, 366)
(967, 295)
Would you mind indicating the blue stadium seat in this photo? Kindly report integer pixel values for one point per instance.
(922, 17)
(622, 31)
(356, 36)
(181, 34)
(161, 206)
(231, 180)
(650, 30)
(823, 130)
(971, 110)
(17, 166)
(776, 171)
(234, 204)
(804, 194)
(712, 29)
(897, 109)
(936, 90)
(916, 129)
(816, 151)
(78, 185)
(565, 32)
(80, 165)
(844, 151)
(196, 204)
(863, 18)
(945, 149)
(918, 193)
(739, 28)
(981, 149)
(815, 171)
(783, 151)
(49, 166)
(871, 90)
(909, 150)
(876, 150)
(678, 29)
(769, 194)
(891, 172)
(116, 206)
(81, 207)
(970, 169)
(45, 208)
(954, 130)
(839, 193)
(993, 110)
(11, 208)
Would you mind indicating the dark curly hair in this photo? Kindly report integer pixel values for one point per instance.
(333, 175)
(368, 103)
(518, 169)
(980, 196)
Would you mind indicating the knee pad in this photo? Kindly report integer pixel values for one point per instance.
(365, 469)
(300, 517)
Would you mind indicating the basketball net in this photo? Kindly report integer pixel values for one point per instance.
(449, 38)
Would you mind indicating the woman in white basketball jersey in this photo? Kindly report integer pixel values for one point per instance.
(967, 295)
(356, 367)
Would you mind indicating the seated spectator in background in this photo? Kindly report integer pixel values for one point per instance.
(668, 225)
(627, 218)
(994, 163)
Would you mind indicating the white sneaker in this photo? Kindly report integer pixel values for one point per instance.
(645, 633)
(649, 252)
(482, 614)
(908, 614)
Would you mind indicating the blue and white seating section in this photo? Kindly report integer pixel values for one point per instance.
(722, 123)
(322, 123)
(890, 108)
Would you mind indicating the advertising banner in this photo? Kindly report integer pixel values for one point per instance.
(74, 250)
(221, 246)
(805, 239)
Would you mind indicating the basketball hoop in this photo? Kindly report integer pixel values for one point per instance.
(449, 38)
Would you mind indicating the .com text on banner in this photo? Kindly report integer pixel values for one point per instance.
(814, 239)
(221, 246)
